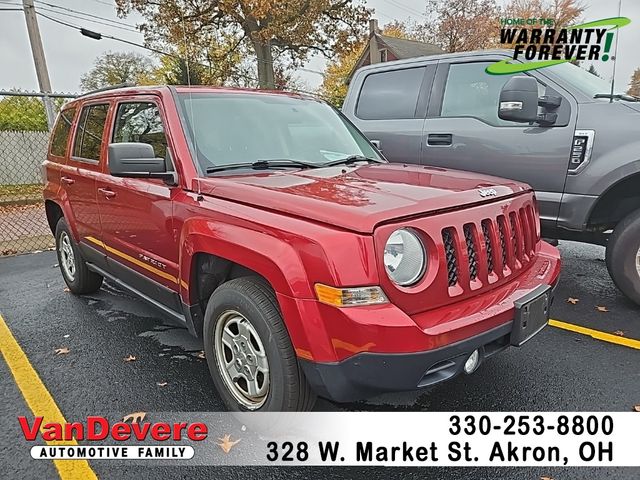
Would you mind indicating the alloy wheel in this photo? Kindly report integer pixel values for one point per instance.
(241, 359)
(67, 258)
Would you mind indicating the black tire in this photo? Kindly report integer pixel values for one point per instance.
(82, 280)
(255, 300)
(622, 250)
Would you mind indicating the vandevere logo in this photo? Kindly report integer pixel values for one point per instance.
(542, 45)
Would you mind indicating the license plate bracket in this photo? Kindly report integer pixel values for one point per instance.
(532, 315)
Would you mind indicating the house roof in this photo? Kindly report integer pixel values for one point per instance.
(400, 47)
(403, 48)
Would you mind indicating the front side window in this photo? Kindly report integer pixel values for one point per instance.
(227, 129)
(61, 131)
(390, 95)
(471, 92)
(140, 122)
(88, 141)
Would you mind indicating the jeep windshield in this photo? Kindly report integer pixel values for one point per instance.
(231, 131)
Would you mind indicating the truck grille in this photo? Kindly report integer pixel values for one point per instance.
(500, 245)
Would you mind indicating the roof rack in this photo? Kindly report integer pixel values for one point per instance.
(107, 88)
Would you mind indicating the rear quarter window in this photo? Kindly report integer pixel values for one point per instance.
(60, 137)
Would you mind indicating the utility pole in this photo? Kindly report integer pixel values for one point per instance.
(38, 58)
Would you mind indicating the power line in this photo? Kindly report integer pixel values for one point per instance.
(86, 14)
(98, 35)
(88, 19)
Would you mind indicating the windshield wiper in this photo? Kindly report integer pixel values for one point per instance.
(352, 159)
(263, 165)
(617, 96)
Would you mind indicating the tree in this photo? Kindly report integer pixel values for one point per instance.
(461, 25)
(113, 68)
(270, 29)
(592, 70)
(334, 86)
(562, 12)
(22, 114)
(634, 85)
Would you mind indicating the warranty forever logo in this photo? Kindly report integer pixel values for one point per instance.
(544, 47)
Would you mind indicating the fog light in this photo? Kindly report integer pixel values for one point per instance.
(472, 362)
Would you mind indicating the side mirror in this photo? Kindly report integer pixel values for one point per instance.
(519, 100)
(137, 160)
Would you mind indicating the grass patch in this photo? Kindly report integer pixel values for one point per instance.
(30, 190)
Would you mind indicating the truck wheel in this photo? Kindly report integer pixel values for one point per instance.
(74, 270)
(249, 352)
(623, 256)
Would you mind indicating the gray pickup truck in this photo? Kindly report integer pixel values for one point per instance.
(558, 129)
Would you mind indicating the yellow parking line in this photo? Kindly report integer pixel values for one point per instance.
(40, 401)
(598, 335)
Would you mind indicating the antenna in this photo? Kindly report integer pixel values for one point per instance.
(615, 56)
(193, 124)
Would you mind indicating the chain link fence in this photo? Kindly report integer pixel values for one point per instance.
(24, 136)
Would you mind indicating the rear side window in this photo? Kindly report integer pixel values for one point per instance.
(140, 122)
(61, 131)
(88, 141)
(390, 95)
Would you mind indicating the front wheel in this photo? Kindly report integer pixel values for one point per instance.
(249, 352)
(623, 256)
(74, 270)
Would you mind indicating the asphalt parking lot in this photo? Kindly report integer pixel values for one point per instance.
(562, 369)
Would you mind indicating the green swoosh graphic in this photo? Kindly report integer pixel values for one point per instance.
(614, 22)
(503, 67)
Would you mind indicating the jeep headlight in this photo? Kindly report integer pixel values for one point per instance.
(405, 259)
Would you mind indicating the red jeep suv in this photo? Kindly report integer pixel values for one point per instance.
(269, 225)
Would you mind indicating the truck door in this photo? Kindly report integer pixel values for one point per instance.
(136, 213)
(390, 109)
(462, 130)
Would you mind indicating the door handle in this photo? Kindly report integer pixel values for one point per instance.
(107, 193)
(67, 180)
(440, 139)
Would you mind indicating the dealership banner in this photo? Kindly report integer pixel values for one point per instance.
(344, 438)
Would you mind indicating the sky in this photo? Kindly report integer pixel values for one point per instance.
(69, 55)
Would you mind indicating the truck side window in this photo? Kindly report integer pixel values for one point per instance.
(472, 92)
(140, 122)
(88, 141)
(390, 95)
(61, 132)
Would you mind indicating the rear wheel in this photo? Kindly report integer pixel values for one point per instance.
(623, 256)
(249, 352)
(74, 270)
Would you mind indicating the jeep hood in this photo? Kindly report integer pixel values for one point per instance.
(358, 198)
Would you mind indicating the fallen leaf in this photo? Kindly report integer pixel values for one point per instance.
(619, 333)
(226, 444)
(602, 309)
(636, 408)
(130, 358)
(61, 351)
(201, 354)
(66, 289)
(573, 301)
(546, 478)
(162, 384)
(136, 417)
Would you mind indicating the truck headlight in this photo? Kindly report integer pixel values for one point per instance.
(405, 259)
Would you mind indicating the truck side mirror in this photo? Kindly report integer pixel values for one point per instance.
(519, 100)
(137, 160)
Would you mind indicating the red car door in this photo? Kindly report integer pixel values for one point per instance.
(78, 176)
(136, 214)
